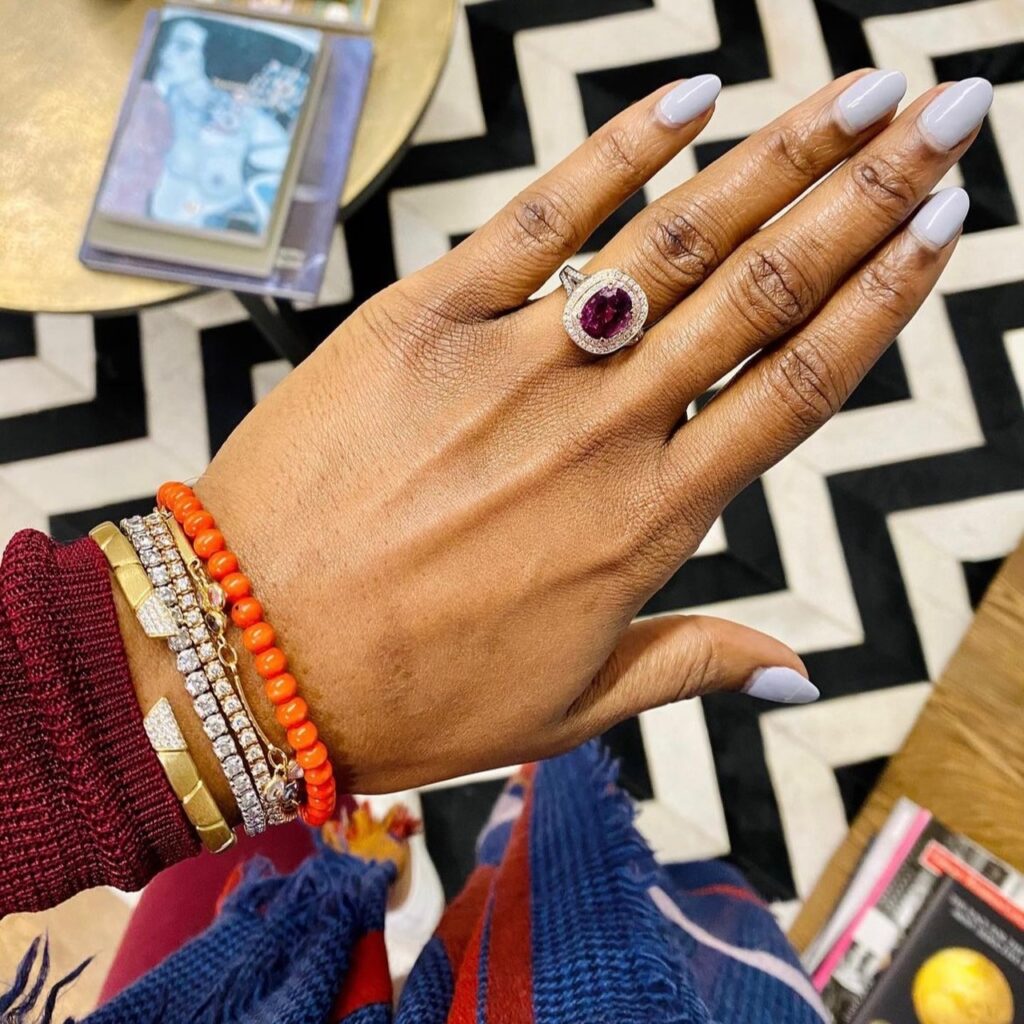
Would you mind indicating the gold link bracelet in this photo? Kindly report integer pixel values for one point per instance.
(162, 729)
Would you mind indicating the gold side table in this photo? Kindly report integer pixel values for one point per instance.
(64, 66)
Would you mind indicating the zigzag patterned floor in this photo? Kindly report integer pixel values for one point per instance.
(865, 550)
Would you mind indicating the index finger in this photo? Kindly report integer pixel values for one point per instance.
(504, 262)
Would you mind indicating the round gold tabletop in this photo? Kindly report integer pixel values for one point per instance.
(64, 66)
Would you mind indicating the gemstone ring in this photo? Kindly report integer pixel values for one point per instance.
(605, 311)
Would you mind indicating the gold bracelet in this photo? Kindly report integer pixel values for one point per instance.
(167, 741)
(161, 726)
(153, 615)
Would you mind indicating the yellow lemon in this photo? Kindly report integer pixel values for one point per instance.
(960, 986)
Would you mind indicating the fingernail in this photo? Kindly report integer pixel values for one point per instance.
(870, 97)
(955, 113)
(781, 686)
(938, 221)
(689, 99)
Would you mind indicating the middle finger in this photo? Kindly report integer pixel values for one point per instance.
(675, 243)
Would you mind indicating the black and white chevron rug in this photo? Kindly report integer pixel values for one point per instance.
(865, 550)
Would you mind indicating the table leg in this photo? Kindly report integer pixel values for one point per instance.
(279, 325)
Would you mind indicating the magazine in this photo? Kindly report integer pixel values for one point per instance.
(879, 863)
(962, 961)
(925, 855)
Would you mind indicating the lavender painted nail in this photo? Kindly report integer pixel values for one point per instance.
(864, 102)
(955, 113)
(781, 686)
(689, 99)
(938, 221)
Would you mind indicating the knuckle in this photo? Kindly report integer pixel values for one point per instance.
(596, 442)
(804, 380)
(883, 287)
(640, 545)
(683, 248)
(585, 447)
(786, 148)
(618, 153)
(691, 499)
(885, 183)
(417, 337)
(701, 659)
(667, 514)
(544, 223)
(774, 293)
(381, 319)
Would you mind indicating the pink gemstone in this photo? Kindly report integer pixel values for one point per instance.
(607, 312)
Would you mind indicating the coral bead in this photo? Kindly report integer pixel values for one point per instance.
(325, 783)
(328, 791)
(314, 817)
(292, 713)
(221, 563)
(302, 736)
(321, 789)
(170, 491)
(196, 522)
(208, 542)
(246, 611)
(281, 688)
(271, 662)
(258, 637)
(319, 776)
(313, 756)
(184, 504)
(236, 584)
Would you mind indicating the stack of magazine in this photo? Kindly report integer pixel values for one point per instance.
(230, 151)
(930, 930)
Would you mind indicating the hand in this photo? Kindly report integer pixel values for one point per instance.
(452, 514)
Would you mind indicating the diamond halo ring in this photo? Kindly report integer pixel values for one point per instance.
(605, 311)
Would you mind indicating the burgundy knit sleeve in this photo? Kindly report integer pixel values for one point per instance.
(83, 799)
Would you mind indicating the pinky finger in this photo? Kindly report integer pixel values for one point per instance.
(792, 389)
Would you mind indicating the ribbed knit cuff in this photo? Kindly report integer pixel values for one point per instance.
(86, 801)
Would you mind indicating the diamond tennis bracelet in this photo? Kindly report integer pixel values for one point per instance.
(214, 697)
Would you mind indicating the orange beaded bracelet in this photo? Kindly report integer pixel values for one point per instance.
(259, 638)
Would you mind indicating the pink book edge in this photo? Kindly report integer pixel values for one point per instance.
(827, 967)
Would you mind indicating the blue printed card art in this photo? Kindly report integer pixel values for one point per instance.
(210, 142)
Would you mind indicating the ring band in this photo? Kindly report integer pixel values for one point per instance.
(604, 311)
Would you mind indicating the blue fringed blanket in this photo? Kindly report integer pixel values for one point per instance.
(567, 919)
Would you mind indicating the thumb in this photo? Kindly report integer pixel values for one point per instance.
(675, 657)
